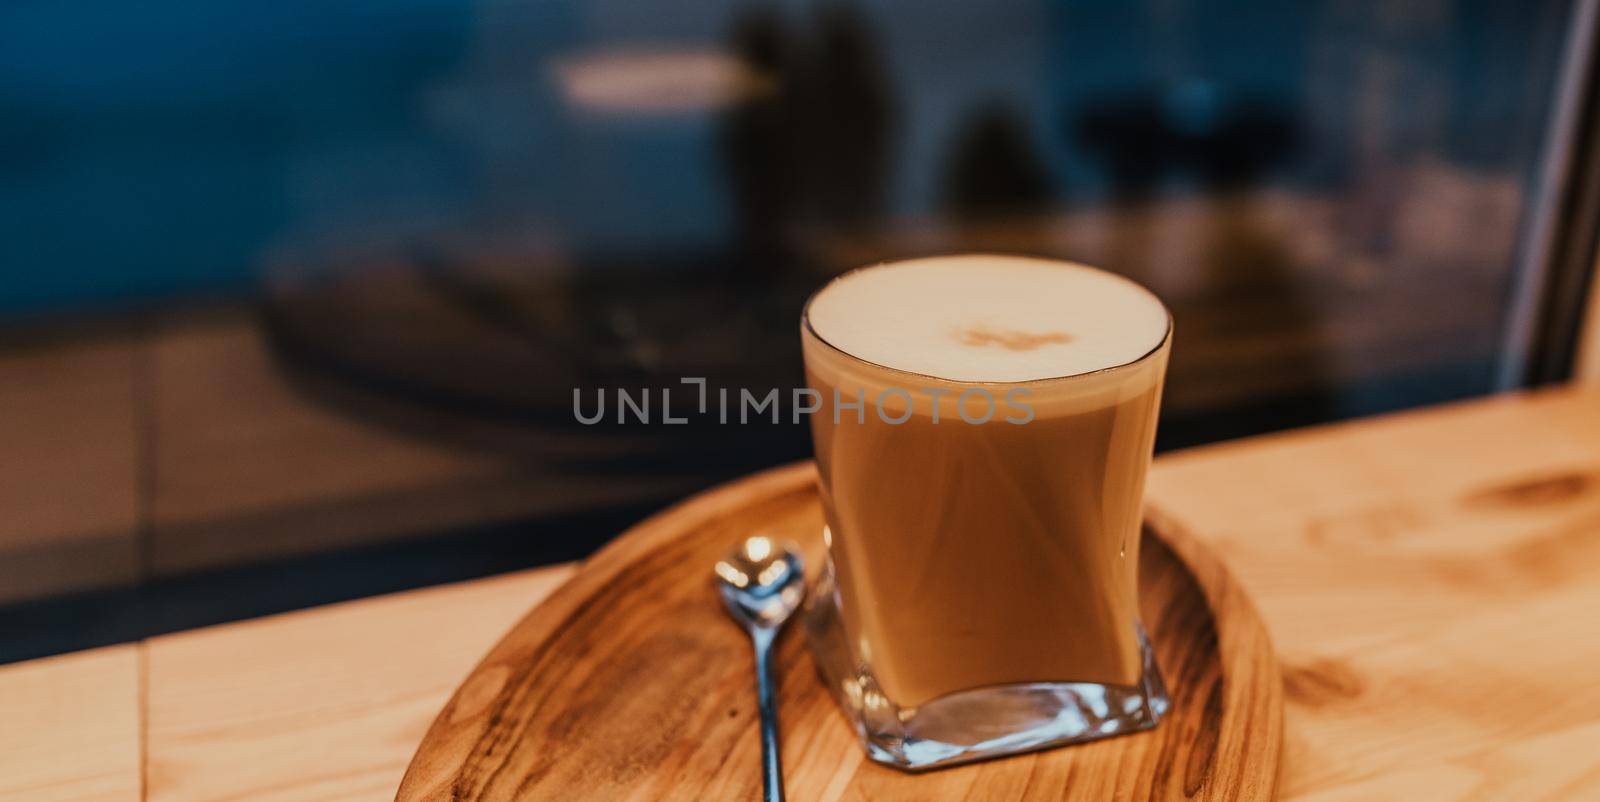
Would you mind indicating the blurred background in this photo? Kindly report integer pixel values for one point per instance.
(294, 296)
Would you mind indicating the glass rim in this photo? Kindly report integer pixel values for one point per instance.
(807, 328)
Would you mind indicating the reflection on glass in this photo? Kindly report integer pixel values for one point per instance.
(333, 270)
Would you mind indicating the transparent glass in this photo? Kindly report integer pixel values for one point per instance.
(980, 595)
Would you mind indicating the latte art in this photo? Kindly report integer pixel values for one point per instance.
(989, 318)
(1012, 340)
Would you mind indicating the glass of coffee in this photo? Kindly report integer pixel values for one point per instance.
(984, 428)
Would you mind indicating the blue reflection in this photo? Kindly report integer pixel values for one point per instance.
(153, 150)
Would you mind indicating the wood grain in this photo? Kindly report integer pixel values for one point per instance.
(630, 683)
(69, 728)
(1430, 581)
(324, 704)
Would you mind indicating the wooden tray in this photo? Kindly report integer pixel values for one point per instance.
(631, 683)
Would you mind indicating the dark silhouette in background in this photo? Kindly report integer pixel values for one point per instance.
(995, 170)
(812, 149)
(845, 122)
(759, 140)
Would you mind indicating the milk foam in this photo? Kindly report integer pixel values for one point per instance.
(986, 318)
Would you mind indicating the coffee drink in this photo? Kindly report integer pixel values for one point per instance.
(985, 427)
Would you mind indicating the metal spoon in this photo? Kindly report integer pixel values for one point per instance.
(762, 583)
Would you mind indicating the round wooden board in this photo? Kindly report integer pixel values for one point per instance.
(631, 683)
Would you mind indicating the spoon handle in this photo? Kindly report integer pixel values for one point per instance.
(771, 765)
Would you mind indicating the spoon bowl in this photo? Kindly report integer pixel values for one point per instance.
(762, 581)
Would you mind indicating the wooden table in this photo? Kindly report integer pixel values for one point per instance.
(1431, 581)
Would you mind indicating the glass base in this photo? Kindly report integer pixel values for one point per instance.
(975, 724)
